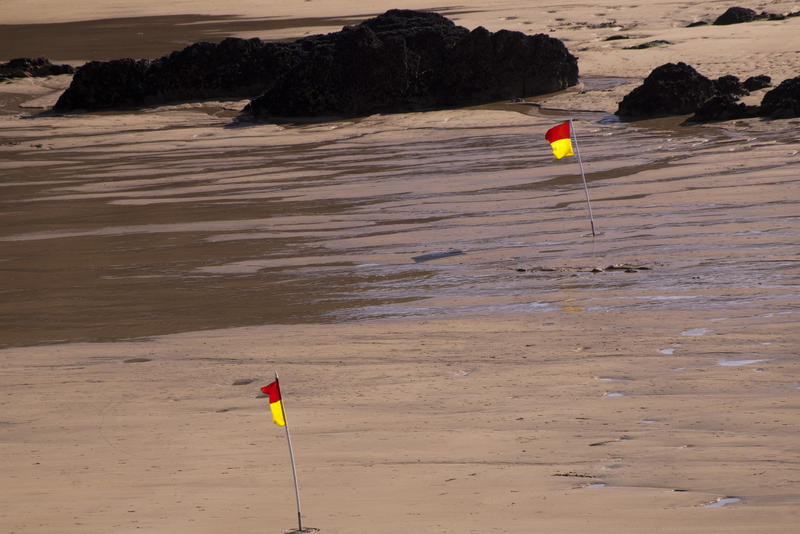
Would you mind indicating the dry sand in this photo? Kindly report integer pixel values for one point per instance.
(158, 266)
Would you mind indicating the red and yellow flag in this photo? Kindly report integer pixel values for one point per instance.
(275, 403)
(559, 139)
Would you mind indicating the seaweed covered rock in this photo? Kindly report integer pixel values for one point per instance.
(487, 66)
(736, 15)
(730, 85)
(754, 83)
(103, 84)
(783, 102)
(233, 68)
(671, 89)
(723, 107)
(678, 89)
(407, 60)
(353, 71)
(724, 103)
(401, 60)
(26, 67)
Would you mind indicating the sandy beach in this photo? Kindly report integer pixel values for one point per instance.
(158, 266)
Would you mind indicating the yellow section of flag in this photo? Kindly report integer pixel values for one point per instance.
(277, 413)
(275, 403)
(560, 140)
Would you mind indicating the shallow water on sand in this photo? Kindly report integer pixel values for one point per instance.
(118, 225)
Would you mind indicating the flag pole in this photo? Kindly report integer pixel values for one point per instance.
(583, 177)
(291, 456)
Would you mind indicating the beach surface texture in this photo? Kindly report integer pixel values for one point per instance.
(457, 353)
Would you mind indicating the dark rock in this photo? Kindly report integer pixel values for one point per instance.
(487, 66)
(616, 37)
(32, 67)
(401, 60)
(722, 108)
(353, 72)
(677, 89)
(754, 83)
(230, 69)
(648, 44)
(736, 15)
(104, 84)
(233, 68)
(783, 102)
(410, 60)
(729, 85)
(671, 89)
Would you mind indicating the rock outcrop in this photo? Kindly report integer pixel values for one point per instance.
(736, 15)
(783, 102)
(234, 68)
(104, 84)
(408, 60)
(26, 67)
(723, 107)
(678, 89)
(401, 60)
(671, 89)
(754, 83)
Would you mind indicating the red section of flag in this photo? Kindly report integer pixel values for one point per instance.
(558, 132)
(273, 390)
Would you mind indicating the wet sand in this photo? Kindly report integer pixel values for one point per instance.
(141, 37)
(130, 224)
(159, 265)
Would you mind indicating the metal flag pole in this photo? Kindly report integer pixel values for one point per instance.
(291, 456)
(583, 177)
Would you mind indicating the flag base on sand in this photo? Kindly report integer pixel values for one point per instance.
(303, 531)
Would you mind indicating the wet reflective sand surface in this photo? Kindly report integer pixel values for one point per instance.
(119, 225)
